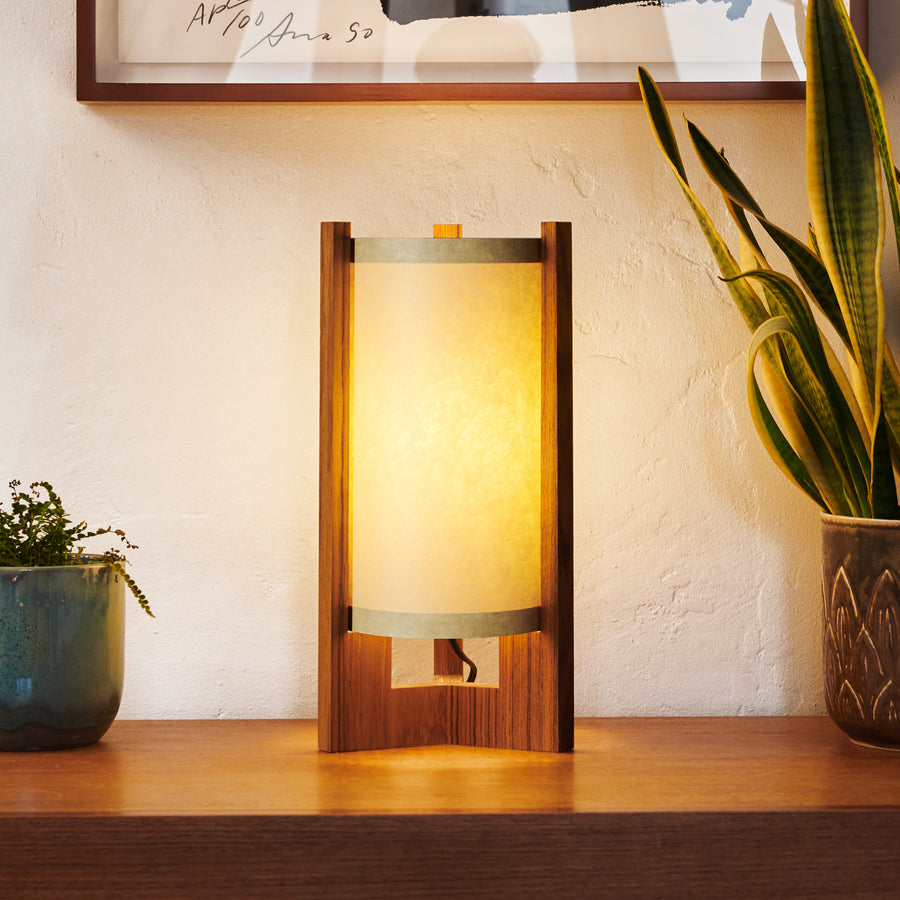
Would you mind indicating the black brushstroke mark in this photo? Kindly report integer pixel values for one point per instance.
(403, 15)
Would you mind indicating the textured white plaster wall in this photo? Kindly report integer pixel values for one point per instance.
(159, 364)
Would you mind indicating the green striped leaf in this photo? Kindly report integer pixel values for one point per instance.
(845, 190)
(808, 368)
(804, 458)
(795, 457)
(877, 117)
(746, 300)
(883, 490)
(805, 262)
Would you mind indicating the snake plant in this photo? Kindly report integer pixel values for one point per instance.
(832, 427)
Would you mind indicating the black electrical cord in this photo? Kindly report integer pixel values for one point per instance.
(473, 669)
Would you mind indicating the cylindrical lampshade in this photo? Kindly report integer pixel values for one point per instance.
(445, 437)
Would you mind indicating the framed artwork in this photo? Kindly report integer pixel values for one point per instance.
(436, 50)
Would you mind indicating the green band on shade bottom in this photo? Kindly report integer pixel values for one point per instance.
(444, 625)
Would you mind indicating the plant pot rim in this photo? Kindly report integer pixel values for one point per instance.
(89, 562)
(892, 524)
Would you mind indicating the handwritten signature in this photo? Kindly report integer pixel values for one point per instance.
(233, 14)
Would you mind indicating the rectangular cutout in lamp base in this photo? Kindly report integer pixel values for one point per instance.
(446, 486)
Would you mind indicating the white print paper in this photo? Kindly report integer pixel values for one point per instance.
(411, 41)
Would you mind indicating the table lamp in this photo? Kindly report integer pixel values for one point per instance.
(445, 486)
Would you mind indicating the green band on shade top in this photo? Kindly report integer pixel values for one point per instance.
(444, 250)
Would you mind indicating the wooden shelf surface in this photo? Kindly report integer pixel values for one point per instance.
(642, 807)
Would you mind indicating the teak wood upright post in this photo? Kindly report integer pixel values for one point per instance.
(532, 707)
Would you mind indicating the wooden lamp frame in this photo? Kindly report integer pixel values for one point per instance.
(532, 707)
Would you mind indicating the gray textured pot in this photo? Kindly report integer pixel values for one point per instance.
(861, 582)
(62, 637)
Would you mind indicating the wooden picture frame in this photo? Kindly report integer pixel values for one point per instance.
(100, 78)
(532, 707)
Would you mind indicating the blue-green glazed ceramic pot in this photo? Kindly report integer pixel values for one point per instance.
(62, 643)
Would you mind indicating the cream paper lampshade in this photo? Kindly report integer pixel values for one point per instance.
(445, 438)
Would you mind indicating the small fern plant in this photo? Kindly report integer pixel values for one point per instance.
(36, 531)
